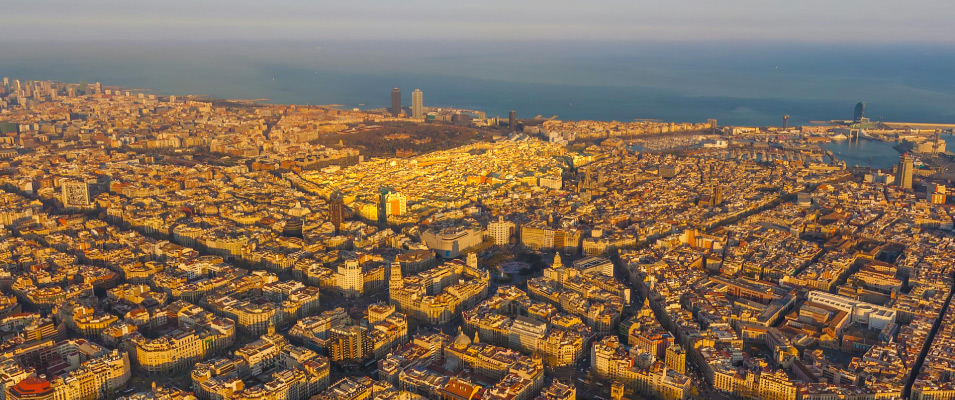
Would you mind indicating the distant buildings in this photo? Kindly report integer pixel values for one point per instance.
(199, 334)
(417, 104)
(84, 370)
(538, 235)
(395, 102)
(346, 340)
(439, 294)
(904, 171)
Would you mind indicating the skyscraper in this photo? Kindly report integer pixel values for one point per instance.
(336, 211)
(417, 104)
(395, 102)
(860, 112)
(903, 173)
(512, 121)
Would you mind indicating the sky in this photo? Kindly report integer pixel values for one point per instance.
(868, 21)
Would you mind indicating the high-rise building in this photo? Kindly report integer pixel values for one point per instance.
(903, 173)
(417, 104)
(350, 280)
(860, 112)
(395, 204)
(76, 195)
(512, 121)
(336, 211)
(349, 343)
(501, 231)
(395, 102)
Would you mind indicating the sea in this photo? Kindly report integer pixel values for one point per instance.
(736, 83)
(873, 153)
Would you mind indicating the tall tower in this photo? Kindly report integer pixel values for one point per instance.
(903, 174)
(395, 102)
(417, 104)
(336, 211)
(512, 121)
(785, 121)
(859, 113)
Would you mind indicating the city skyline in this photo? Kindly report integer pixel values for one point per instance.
(605, 200)
(217, 249)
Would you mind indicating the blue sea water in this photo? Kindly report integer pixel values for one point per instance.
(871, 153)
(736, 83)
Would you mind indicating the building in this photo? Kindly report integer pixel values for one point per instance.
(860, 312)
(512, 121)
(500, 231)
(95, 373)
(617, 391)
(450, 242)
(349, 343)
(437, 295)
(417, 104)
(538, 236)
(31, 388)
(395, 102)
(904, 171)
(559, 391)
(75, 195)
(336, 211)
(859, 113)
(676, 358)
(395, 204)
(525, 333)
(350, 279)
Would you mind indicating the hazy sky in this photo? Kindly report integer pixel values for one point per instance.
(682, 20)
